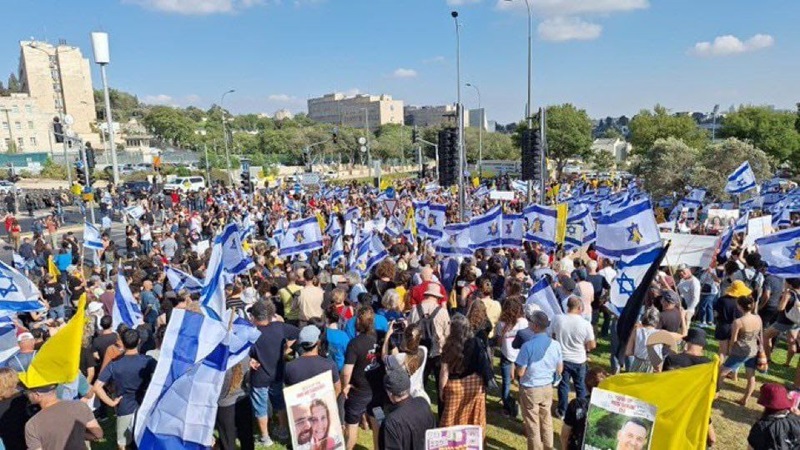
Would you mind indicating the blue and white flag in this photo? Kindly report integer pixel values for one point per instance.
(630, 272)
(741, 180)
(234, 258)
(91, 237)
(180, 407)
(456, 241)
(541, 225)
(420, 213)
(18, 294)
(481, 192)
(394, 227)
(580, 229)
(431, 187)
(486, 229)
(782, 252)
(302, 236)
(353, 213)
(542, 295)
(695, 197)
(212, 296)
(727, 238)
(248, 227)
(334, 227)
(519, 186)
(433, 225)
(627, 231)
(337, 251)
(125, 309)
(179, 279)
(513, 230)
(8, 339)
(18, 260)
(369, 252)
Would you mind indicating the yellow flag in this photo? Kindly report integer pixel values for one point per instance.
(683, 398)
(58, 360)
(52, 269)
(321, 220)
(385, 184)
(476, 182)
(246, 246)
(411, 222)
(561, 222)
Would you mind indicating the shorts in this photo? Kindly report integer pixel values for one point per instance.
(267, 400)
(734, 362)
(356, 406)
(784, 327)
(125, 430)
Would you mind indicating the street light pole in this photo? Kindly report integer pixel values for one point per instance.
(225, 135)
(460, 109)
(480, 132)
(714, 123)
(102, 58)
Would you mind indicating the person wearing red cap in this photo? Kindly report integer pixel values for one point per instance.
(779, 427)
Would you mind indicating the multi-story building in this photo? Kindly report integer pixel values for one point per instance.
(615, 146)
(356, 111)
(431, 116)
(23, 126)
(58, 80)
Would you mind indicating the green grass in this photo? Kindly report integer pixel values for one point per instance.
(731, 421)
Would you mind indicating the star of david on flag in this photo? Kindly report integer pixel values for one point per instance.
(630, 272)
(781, 251)
(627, 231)
(18, 294)
(302, 236)
(741, 180)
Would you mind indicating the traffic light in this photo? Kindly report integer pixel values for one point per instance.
(58, 130)
(90, 157)
(532, 155)
(414, 135)
(80, 173)
(448, 157)
(246, 185)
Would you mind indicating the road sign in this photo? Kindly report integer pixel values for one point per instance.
(245, 165)
(68, 119)
(362, 140)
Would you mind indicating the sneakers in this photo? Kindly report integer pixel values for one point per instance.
(266, 441)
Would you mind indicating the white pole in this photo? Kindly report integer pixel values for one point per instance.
(110, 123)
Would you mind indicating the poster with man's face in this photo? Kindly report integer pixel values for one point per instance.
(618, 422)
(314, 415)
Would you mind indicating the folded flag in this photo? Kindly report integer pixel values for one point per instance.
(741, 180)
(18, 260)
(91, 237)
(302, 236)
(337, 251)
(234, 258)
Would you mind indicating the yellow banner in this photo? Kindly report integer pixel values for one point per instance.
(561, 222)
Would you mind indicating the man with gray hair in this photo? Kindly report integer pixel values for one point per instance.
(538, 363)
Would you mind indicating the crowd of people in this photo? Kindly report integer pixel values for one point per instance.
(419, 330)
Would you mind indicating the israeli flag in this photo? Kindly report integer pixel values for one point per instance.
(627, 231)
(353, 213)
(370, 251)
(234, 258)
(394, 228)
(727, 238)
(8, 339)
(486, 229)
(630, 272)
(337, 251)
(513, 230)
(541, 225)
(125, 309)
(456, 241)
(334, 227)
(481, 192)
(433, 225)
(695, 197)
(542, 295)
(519, 186)
(782, 252)
(248, 227)
(431, 187)
(179, 279)
(18, 260)
(741, 180)
(212, 296)
(180, 407)
(135, 212)
(580, 229)
(302, 236)
(91, 237)
(420, 213)
(18, 294)
(377, 224)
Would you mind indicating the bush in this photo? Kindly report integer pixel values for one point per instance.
(53, 171)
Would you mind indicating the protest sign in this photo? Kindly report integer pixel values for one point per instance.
(618, 421)
(468, 437)
(756, 228)
(691, 249)
(313, 414)
(501, 195)
(719, 219)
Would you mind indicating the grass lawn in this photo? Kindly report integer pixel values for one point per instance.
(731, 421)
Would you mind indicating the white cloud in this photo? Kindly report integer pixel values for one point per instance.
(193, 99)
(160, 99)
(404, 73)
(731, 45)
(196, 7)
(284, 98)
(461, 2)
(552, 8)
(560, 29)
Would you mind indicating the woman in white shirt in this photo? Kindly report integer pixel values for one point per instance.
(409, 356)
(512, 319)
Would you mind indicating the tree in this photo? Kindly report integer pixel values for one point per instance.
(649, 126)
(170, 124)
(13, 83)
(611, 133)
(720, 159)
(772, 131)
(569, 134)
(666, 166)
(602, 160)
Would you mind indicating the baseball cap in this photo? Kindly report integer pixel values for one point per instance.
(309, 336)
(696, 336)
(774, 396)
(670, 296)
(397, 382)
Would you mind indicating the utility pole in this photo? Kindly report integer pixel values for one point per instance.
(462, 160)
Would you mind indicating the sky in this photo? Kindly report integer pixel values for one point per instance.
(610, 57)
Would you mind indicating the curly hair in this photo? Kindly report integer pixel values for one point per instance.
(476, 314)
(385, 270)
(512, 311)
(453, 349)
(8, 383)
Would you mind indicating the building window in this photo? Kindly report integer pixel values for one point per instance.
(15, 108)
(30, 124)
(29, 109)
(33, 142)
(8, 143)
(5, 125)
(54, 74)
(20, 142)
(17, 125)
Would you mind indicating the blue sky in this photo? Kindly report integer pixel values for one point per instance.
(611, 57)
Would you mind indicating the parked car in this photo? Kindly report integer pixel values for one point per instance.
(185, 184)
(139, 189)
(7, 187)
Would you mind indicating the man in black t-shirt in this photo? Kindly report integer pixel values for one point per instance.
(692, 354)
(575, 418)
(105, 339)
(53, 292)
(405, 426)
(310, 364)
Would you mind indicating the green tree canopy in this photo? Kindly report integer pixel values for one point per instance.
(649, 126)
(772, 131)
(720, 159)
(170, 124)
(666, 166)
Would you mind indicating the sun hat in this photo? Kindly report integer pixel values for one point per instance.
(738, 289)
(433, 291)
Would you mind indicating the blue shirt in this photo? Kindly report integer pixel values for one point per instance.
(337, 346)
(540, 356)
(130, 375)
(381, 324)
(63, 261)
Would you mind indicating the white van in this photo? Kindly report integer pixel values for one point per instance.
(185, 184)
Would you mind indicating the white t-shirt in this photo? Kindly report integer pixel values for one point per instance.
(689, 290)
(572, 331)
(509, 352)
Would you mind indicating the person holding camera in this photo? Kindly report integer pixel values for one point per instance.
(402, 350)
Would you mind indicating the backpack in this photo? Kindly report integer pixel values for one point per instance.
(294, 298)
(427, 331)
(793, 312)
(751, 283)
